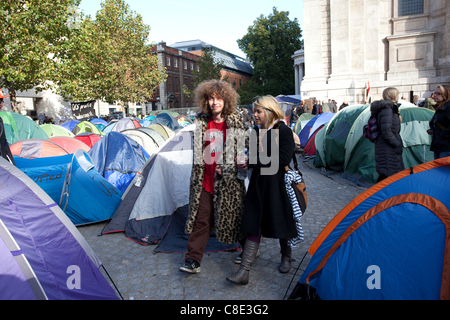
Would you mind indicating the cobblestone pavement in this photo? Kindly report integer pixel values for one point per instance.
(140, 274)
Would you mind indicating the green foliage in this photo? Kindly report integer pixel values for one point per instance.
(110, 59)
(269, 44)
(34, 35)
(208, 69)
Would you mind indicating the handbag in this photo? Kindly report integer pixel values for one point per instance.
(299, 188)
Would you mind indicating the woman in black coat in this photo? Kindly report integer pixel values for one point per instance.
(267, 210)
(389, 145)
(440, 123)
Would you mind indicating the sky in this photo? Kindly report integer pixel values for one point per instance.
(219, 23)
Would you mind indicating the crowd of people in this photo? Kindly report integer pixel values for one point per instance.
(219, 199)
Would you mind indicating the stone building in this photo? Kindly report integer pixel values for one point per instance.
(349, 44)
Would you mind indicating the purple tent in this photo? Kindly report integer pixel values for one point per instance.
(43, 255)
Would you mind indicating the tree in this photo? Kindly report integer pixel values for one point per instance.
(209, 68)
(33, 38)
(249, 91)
(269, 44)
(110, 58)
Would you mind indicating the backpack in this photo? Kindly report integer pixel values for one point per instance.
(370, 130)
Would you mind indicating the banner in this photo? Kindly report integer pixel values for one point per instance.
(82, 110)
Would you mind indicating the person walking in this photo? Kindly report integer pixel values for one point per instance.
(389, 145)
(440, 123)
(267, 210)
(216, 196)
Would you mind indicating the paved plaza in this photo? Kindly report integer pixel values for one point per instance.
(139, 274)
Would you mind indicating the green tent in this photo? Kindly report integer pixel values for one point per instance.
(336, 135)
(86, 126)
(319, 160)
(19, 127)
(302, 121)
(53, 130)
(360, 152)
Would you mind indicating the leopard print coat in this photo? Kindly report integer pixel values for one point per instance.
(229, 191)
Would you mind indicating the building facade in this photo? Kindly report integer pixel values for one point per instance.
(351, 44)
(179, 66)
(236, 68)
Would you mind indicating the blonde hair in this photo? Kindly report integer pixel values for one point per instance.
(390, 94)
(271, 109)
(445, 91)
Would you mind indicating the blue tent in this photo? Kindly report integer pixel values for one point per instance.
(73, 183)
(166, 120)
(69, 125)
(288, 100)
(118, 158)
(390, 243)
(314, 124)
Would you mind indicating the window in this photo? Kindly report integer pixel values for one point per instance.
(185, 65)
(175, 63)
(192, 66)
(168, 61)
(410, 7)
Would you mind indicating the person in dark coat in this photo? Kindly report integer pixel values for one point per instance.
(389, 145)
(440, 123)
(267, 209)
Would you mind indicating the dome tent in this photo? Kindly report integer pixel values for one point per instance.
(38, 250)
(118, 158)
(53, 130)
(360, 152)
(336, 135)
(19, 127)
(86, 126)
(410, 215)
(37, 148)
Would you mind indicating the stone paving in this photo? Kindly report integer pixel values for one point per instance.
(139, 274)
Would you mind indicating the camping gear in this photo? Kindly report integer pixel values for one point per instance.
(313, 125)
(372, 248)
(53, 130)
(37, 148)
(154, 208)
(86, 126)
(359, 154)
(74, 184)
(310, 148)
(69, 144)
(43, 255)
(88, 138)
(336, 135)
(164, 131)
(166, 120)
(118, 159)
(302, 121)
(122, 124)
(148, 138)
(70, 125)
(19, 127)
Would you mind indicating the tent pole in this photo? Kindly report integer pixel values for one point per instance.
(284, 298)
(112, 282)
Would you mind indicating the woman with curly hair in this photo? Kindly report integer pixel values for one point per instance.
(440, 123)
(216, 195)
